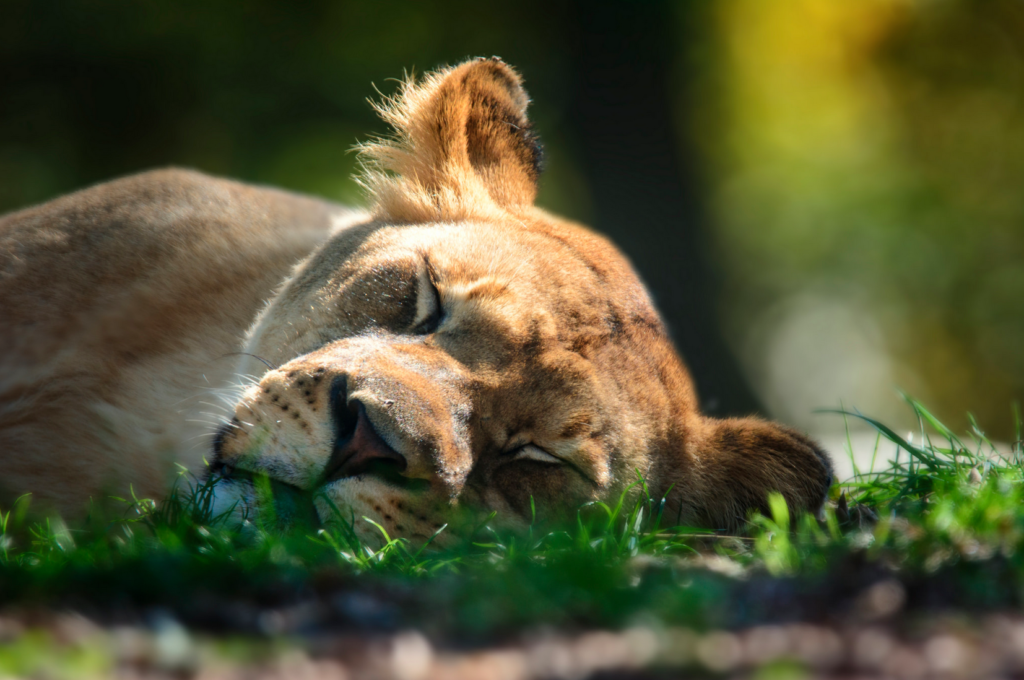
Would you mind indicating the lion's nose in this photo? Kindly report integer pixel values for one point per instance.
(358, 448)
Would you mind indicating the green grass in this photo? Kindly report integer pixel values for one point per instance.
(945, 517)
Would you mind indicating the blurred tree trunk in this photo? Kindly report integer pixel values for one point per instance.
(623, 108)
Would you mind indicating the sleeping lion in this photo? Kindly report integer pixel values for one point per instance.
(453, 347)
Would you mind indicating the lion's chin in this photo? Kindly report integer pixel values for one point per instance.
(240, 499)
(234, 500)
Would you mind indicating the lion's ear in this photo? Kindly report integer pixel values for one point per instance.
(463, 147)
(740, 461)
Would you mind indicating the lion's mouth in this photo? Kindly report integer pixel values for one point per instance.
(385, 472)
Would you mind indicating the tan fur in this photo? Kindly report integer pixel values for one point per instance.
(120, 308)
(458, 347)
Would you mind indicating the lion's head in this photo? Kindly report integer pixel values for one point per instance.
(466, 349)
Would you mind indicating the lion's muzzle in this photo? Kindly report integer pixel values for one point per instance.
(375, 426)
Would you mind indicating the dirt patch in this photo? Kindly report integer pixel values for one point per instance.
(70, 645)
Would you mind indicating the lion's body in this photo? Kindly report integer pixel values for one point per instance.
(120, 308)
(457, 347)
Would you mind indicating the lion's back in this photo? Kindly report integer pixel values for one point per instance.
(118, 302)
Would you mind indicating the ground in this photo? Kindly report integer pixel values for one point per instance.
(915, 571)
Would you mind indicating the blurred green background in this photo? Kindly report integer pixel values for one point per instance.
(825, 196)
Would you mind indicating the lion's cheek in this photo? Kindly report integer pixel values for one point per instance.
(367, 506)
(547, 491)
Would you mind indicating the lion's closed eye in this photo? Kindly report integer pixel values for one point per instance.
(535, 453)
(429, 311)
